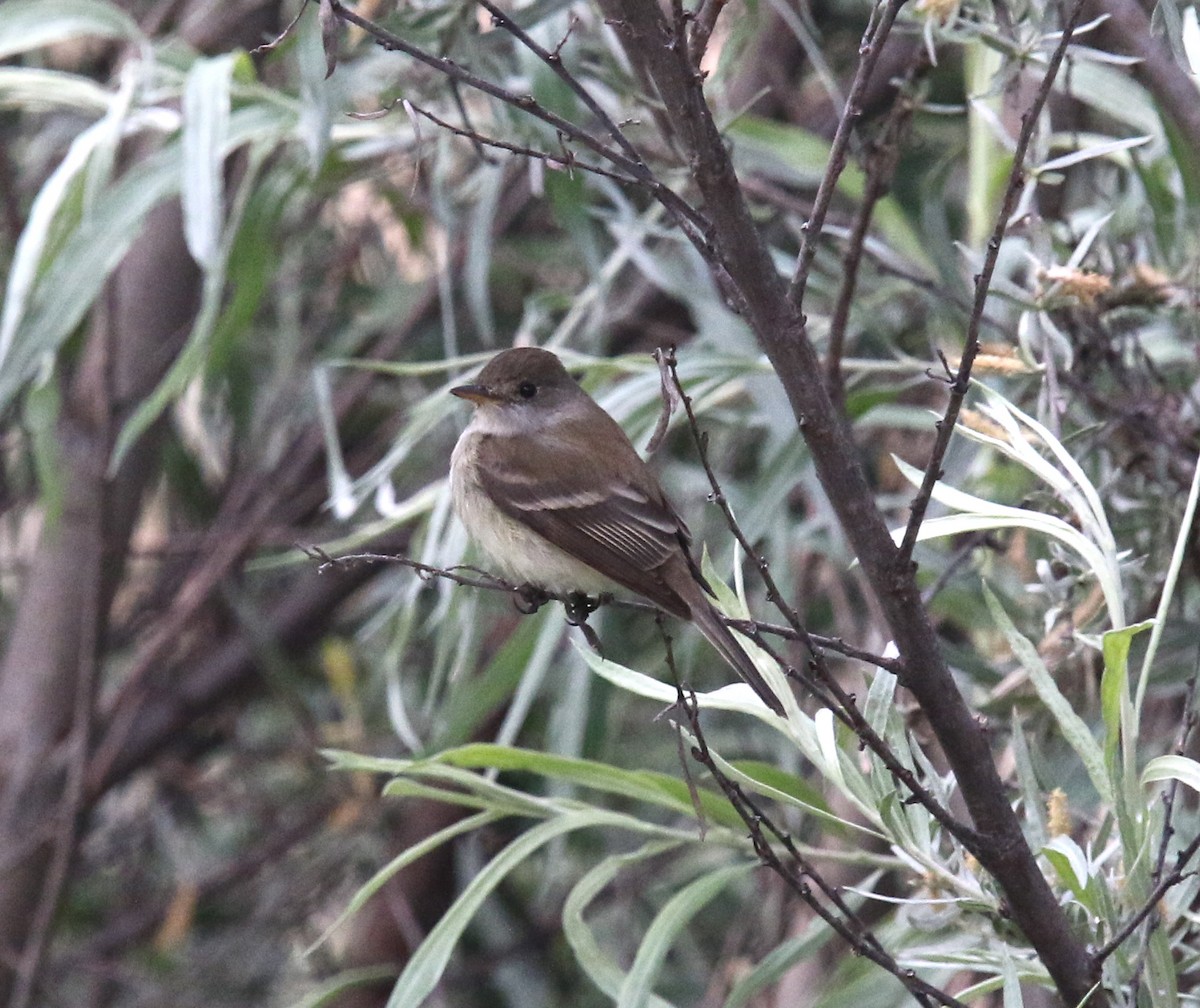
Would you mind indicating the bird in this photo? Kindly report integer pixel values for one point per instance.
(550, 487)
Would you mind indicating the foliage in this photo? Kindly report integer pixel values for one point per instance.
(354, 266)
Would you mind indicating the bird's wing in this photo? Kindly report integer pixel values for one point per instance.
(618, 521)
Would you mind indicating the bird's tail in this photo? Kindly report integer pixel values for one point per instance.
(721, 637)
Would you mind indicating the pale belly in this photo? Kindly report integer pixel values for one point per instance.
(518, 553)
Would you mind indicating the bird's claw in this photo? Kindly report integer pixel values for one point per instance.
(529, 599)
(579, 607)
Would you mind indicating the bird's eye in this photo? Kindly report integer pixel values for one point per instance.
(527, 390)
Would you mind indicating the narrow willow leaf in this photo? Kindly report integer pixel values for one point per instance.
(73, 279)
(734, 697)
(980, 515)
(641, 785)
(1096, 150)
(33, 24)
(428, 963)
(1180, 768)
(1073, 727)
(205, 138)
(601, 969)
(1071, 866)
(662, 933)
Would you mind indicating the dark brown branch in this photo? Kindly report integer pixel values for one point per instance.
(780, 328)
(825, 685)
(983, 286)
(703, 23)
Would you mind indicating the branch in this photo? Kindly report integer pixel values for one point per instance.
(491, 582)
(1003, 851)
(825, 687)
(798, 871)
(1176, 876)
(869, 50)
(566, 160)
(983, 284)
(554, 61)
(690, 220)
(1168, 831)
(881, 166)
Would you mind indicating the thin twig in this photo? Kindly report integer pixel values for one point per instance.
(1176, 876)
(703, 23)
(869, 49)
(566, 160)
(843, 702)
(554, 61)
(799, 872)
(1168, 829)
(266, 47)
(983, 284)
(971, 542)
(467, 130)
(1190, 718)
(491, 582)
(694, 224)
(880, 167)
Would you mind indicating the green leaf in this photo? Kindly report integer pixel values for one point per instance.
(34, 88)
(798, 157)
(42, 407)
(74, 277)
(33, 24)
(1071, 866)
(1180, 768)
(641, 785)
(671, 920)
(205, 137)
(1115, 704)
(599, 967)
(425, 968)
(333, 990)
(1073, 727)
(54, 215)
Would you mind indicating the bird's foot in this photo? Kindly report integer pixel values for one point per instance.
(580, 606)
(529, 599)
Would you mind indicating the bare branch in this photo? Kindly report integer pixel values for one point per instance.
(654, 49)
(691, 221)
(824, 685)
(797, 871)
(881, 166)
(554, 61)
(869, 50)
(983, 285)
(566, 160)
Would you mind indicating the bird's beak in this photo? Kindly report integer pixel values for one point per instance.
(477, 394)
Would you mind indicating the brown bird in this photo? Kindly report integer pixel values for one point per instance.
(553, 491)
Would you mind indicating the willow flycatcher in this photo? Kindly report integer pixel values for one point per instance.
(549, 486)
